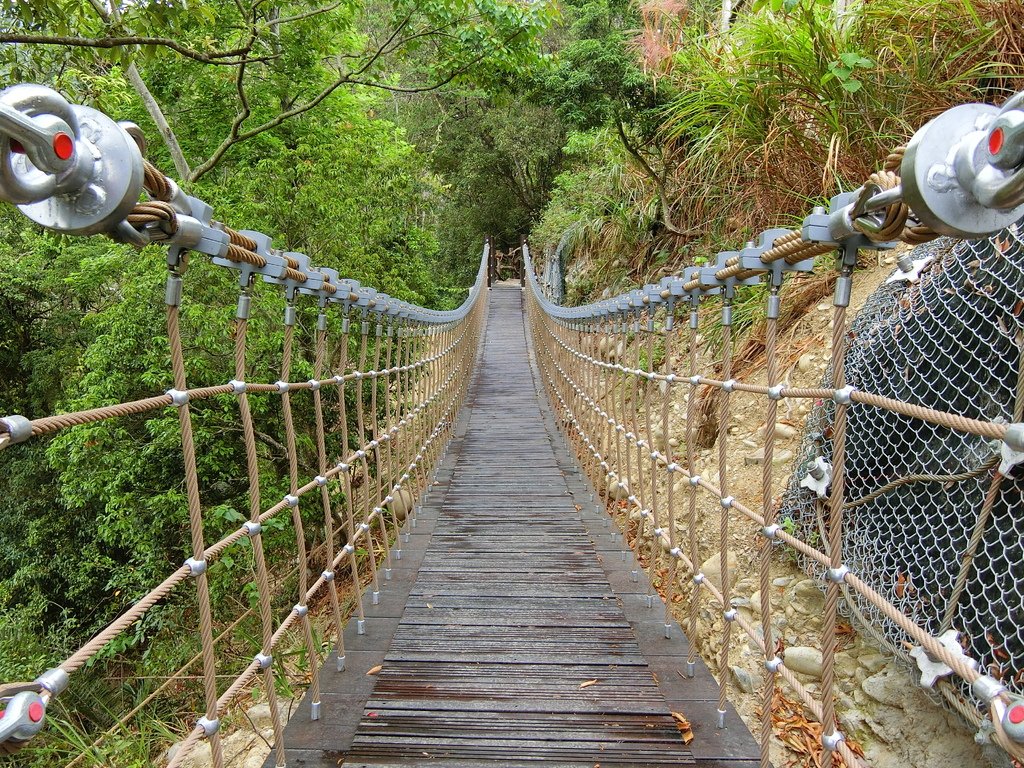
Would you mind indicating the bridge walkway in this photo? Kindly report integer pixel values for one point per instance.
(512, 632)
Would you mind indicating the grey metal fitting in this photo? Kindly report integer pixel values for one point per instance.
(773, 664)
(842, 396)
(282, 386)
(172, 293)
(771, 531)
(328, 576)
(671, 378)
(1013, 718)
(300, 610)
(721, 718)
(291, 500)
(363, 527)
(987, 688)
(694, 480)
(348, 549)
(320, 480)
(694, 380)
(844, 290)
(196, 567)
(339, 379)
(289, 314)
(673, 467)
(676, 552)
(1014, 436)
(314, 384)
(18, 427)
(731, 614)
(209, 726)
(238, 387)
(55, 680)
(698, 578)
(252, 528)
(830, 741)
(727, 502)
(729, 386)
(314, 710)
(775, 393)
(244, 303)
(178, 397)
(264, 660)
(343, 467)
(837, 575)
(360, 454)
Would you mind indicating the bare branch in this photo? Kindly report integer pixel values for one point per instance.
(659, 183)
(225, 58)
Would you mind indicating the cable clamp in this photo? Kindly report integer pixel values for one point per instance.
(729, 386)
(341, 466)
(731, 614)
(771, 531)
(178, 397)
(775, 393)
(338, 378)
(196, 567)
(252, 528)
(291, 500)
(676, 552)
(360, 454)
(282, 386)
(694, 380)
(671, 378)
(328, 576)
(320, 480)
(209, 726)
(842, 396)
(698, 578)
(54, 680)
(264, 660)
(18, 427)
(348, 549)
(831, 741)
(932, 669)
(727, 502)
(837, 575)
(673, 467)
(300, 610)
(314, 384)
(237, 387)
(694, 480)
(818, 478)
(773, 664)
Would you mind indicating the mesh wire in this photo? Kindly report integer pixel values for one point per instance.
(952, 342)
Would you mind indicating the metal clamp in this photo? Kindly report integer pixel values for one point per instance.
(18, 427)
(818, 478)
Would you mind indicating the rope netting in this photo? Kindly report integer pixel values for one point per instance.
(903, 501)
(403, 369)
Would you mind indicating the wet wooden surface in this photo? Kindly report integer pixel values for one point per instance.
(512, 631)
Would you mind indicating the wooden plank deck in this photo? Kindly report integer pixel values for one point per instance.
(506, 600)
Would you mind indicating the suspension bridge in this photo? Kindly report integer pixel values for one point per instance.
(500, 616)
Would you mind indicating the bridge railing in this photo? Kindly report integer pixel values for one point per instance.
(610, 369)
(404, 368)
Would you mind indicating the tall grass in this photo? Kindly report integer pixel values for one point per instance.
(788, 107)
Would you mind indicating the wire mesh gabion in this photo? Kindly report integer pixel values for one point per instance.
(917, 526)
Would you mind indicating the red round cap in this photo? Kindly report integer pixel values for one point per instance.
(995, 141)
(63, 146)
(1016, 714)
(35, 711)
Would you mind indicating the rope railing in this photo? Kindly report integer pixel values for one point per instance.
(406, 379)
(609, 370)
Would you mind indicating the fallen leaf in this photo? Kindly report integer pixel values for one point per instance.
(375, 670)
(685, 730)
(588, 683)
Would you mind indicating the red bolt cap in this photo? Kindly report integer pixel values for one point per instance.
(35, 711)
(995, 141)
(63, 146)
(1016, 714)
